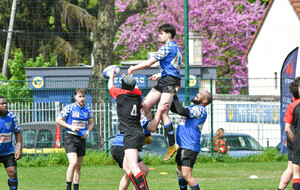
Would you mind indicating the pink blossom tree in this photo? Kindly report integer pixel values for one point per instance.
(227, 27)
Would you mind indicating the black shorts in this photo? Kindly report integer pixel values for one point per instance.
(167, 84)
(118, 154)
(8, 160)
(74, 144)
(186, 157)
(296, 159)
(134, 139)
(290, 156)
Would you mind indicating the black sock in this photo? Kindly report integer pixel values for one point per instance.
(76, 186)
(296, 184)
(133, 180)
(182, 184)
(12, 183)
(170, 133)
(69, 185)
(141, 181)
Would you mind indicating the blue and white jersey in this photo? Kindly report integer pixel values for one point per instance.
(75, 115)
(8, 125)
(189, 129)
(169, 57)
(144, 121)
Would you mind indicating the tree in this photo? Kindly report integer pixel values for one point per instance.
(226, 25)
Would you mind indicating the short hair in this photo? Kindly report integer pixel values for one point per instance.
(81, 90)
(2, 97)
(128, 82)
(294, 87)
(168, 28)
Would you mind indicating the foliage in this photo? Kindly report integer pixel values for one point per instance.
(16, 87)
(226, 26)
(94, 158)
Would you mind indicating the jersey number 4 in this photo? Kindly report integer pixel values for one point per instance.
(134, 110)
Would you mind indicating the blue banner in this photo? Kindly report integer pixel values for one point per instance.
(288, 72)
(252, 113)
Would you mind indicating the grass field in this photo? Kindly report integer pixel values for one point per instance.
(211, 176)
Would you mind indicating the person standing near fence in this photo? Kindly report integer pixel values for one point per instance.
(292, 118)
(219, 142)
(9, 125)
(78, 120)
(169, 57)
(129, 101)
(188, 136)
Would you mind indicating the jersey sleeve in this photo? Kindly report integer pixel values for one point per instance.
(114, 92)
(162, 53)
(288, 116)
(197, 111)
(66, 111)
(144, 121)
(16, 123)
(90, 113)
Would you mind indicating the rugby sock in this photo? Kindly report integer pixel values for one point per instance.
(196, 187)
(69, 185)
(141, 181)
(296, 184)
(147, 133)
(76, 186)
(133, 180)
(12, 184)
(170, 133)
(182, 184)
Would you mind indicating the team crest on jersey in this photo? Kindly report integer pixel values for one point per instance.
(75, 114)
(182, 121)
(8, 125)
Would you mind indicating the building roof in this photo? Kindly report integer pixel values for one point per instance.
(295, 4)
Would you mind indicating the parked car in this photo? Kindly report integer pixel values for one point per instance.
(37, 136)
(240, 144)
(158, 147)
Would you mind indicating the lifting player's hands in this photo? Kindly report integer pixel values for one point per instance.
(155, 77)
(177, 88)
(75, 128)
(112, 73)
(130, 70)
(163, 107)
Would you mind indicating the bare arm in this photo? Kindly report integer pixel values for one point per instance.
(90, 128)
(143, 65)
(19, 141)
(111, 80)
(155, 121)
(289, 132)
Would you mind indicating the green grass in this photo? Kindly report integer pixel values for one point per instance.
(210, 175)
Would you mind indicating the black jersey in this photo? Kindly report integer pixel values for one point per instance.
(128, 107)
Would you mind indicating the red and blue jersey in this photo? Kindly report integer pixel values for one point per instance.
(78, 116)
(8, 125)
(169, 57)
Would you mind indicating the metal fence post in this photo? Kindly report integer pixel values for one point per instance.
(106, 116)
(211, 120)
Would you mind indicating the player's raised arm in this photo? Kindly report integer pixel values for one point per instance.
(111, 79)
(142, 65)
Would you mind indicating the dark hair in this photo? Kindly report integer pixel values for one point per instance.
(81, 90)
(294, 87)
(128, 82)
(2, 97)
(167, 28)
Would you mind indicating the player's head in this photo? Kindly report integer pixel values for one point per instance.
(3, 106)
(80, 96)
(168, 28)
(220, 132)
(294, 89)
(128, 82)
(202, 98)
